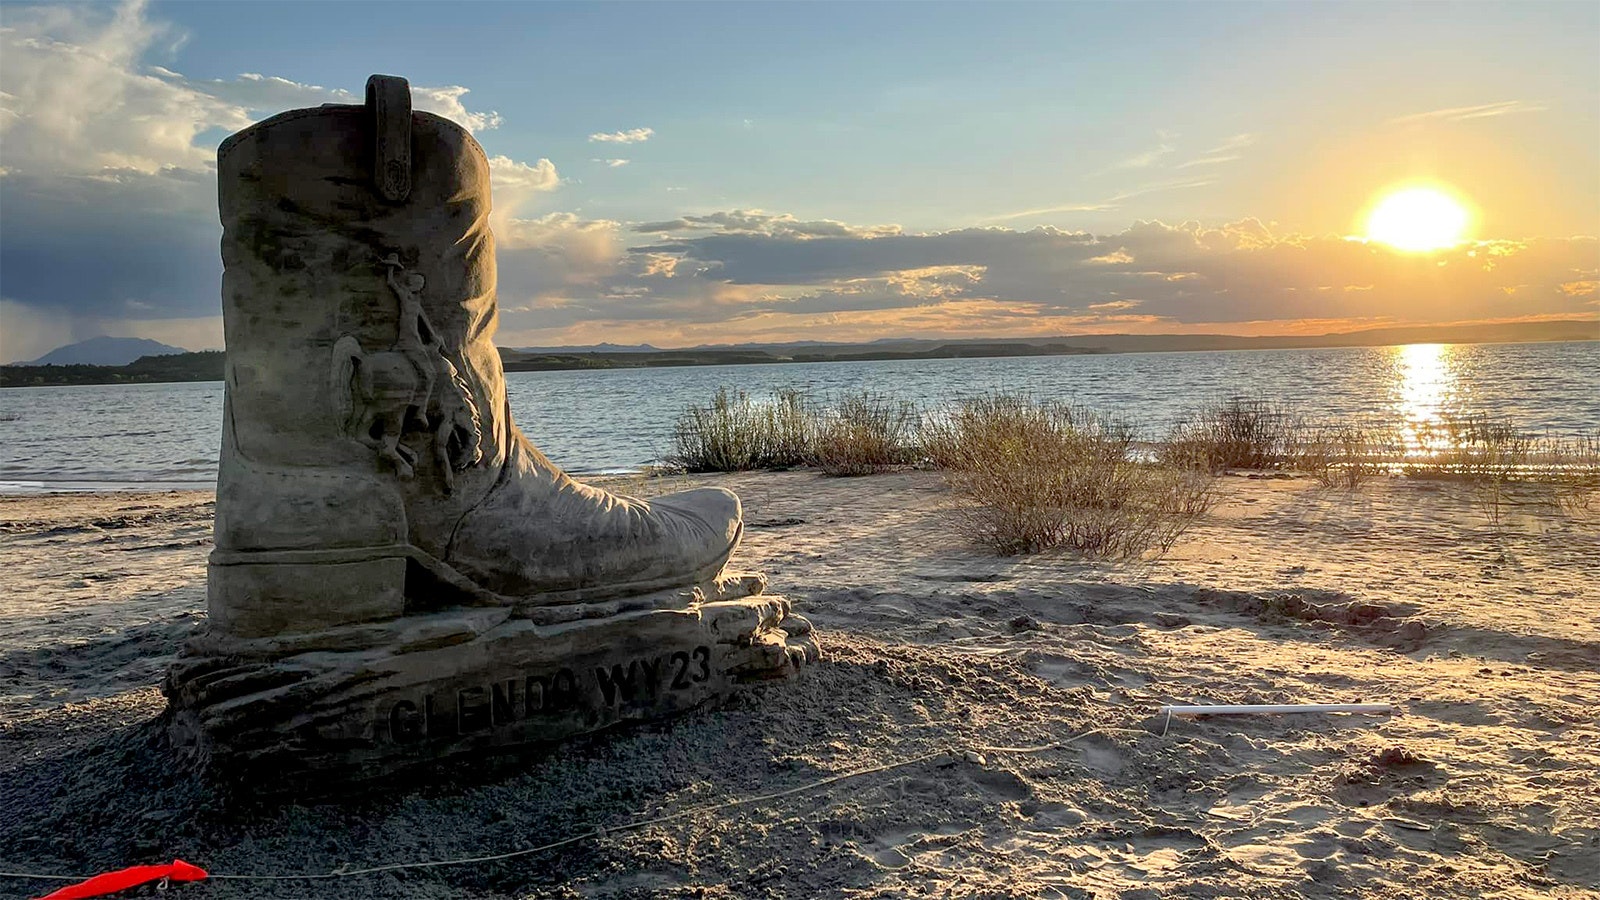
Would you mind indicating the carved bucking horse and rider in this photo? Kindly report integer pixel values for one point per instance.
(410, 387)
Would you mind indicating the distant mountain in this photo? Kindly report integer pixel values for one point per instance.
(589, 348)
(104, 351)
(1507, 332)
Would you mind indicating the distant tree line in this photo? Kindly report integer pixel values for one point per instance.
(208, 365)
(203, 366)
(521, 361)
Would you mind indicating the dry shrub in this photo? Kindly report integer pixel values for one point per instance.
(860, 434)
(788, 424)
(1033, 475)
(1342, 456)
(863, 434)
(1570, 469)
(735, 433)
(1508, 468)
(1237, 433)
(1490, 455)
(1473, 448)
(1493, 457)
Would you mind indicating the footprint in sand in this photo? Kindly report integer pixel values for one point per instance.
(1001, 784)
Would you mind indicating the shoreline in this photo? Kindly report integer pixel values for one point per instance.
(1486, 640)
(561, 360)
(33, 488)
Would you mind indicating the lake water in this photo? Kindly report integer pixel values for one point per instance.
(167, 435)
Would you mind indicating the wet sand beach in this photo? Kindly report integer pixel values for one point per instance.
(1029, 684)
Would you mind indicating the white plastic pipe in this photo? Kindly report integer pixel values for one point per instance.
(1275, 708)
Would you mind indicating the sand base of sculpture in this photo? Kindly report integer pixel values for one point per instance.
(319, 712)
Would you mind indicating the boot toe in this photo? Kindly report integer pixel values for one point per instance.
(717, 509)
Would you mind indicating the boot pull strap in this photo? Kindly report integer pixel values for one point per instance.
(389, 105)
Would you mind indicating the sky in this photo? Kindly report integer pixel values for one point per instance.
(685, 174)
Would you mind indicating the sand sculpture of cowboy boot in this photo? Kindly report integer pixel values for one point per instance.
(399, 574)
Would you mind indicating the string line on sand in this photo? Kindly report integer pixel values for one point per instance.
(601, 831)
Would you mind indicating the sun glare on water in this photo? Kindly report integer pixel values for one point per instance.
(1418, 219)
(1427, 381)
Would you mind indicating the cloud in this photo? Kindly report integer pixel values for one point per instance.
(1467, 113)
(108, 190)
(611, 163)
(30, 331)
(755, 221)
(555, 259)
(78, 99)
(750, 275)
(446, 101)
(110, 227)
(1146, 159)
(1213, 160)
(1226, 151)
(1165, 147)
(269, 93)
(517, 187)
(1148, 164)
(254, 91)
(512, 176)
(631, 136)
(1158, 157)
(1110, 203)
(1100, 206)
(1237, 142)
(120, 242)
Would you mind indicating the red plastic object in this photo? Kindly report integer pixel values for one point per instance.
(122, 879)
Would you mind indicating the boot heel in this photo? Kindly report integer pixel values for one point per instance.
(269, 593)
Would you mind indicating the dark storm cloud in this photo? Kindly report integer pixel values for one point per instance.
(108, 217)
(120, 245)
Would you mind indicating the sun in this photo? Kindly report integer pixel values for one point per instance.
(1418, 219)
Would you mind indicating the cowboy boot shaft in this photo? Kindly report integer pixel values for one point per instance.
(305, 236)
(367, 425)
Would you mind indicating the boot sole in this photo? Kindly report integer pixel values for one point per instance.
(275, 583)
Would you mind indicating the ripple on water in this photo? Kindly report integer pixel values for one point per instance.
(618, 420)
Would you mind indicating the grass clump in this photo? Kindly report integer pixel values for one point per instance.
(1492, 456)
(736, 433)
(1035, 475)
(863, 434)
(787, 430)
(1342, 455)
(858, 435)
(1237, 433)
(1570, 470)
(1508, 468)
(1472, 448)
